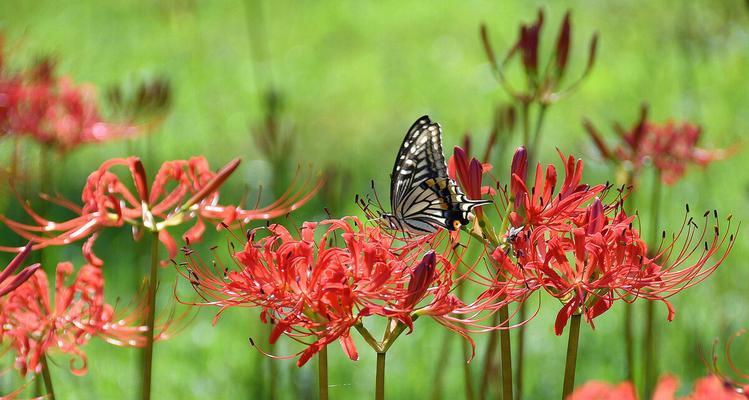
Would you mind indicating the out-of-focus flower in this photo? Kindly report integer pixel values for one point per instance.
(543, 83)
(671, 147)
(8, 281)
(595, 390)
(707, 388)
(181, 191)
(53, 110)
(146, 100)
(319, 286)
(35, 325)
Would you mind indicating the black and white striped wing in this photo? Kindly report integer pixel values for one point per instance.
(422, 195)
(420, 157)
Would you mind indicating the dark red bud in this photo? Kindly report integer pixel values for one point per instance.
(421, 278)
(139, 177)
(596, 218)
(592, 52)
(563, 45)
(597, 140)
(519, 168)
(16, 262)
(221, 176)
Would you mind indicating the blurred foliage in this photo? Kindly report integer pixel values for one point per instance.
(353, 76)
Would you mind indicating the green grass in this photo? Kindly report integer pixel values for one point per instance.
(354, 75)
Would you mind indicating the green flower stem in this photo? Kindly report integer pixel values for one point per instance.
(505, 354)
(572, 344)
(393, 330)
(520, 354)
(650, 367)
(47, 378)
(150, 319)
(629, 347)
(629, 335)
(380, 377)
(322, 372)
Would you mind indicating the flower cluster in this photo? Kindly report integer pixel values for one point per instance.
(323, 283)
(671, 147)
(53, 110)
(569, 243)
(182, 190)
(34, 324)
(543, 82)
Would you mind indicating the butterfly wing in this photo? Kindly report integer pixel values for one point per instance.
(419, 158)
(422, 195)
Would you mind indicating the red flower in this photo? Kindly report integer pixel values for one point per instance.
(35, 325)
(9, 282)
(671, 147)
(541, 205)
(596, 259)
(54, 111)
(321, 286)
(182, 190)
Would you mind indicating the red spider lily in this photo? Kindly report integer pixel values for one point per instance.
(15, 281)
(600, 259)
(181, 190)
(53, 110)
(671, 147)
(707, 388)
(321, 288)
(542, 85)
(35, 325)
(540, 205)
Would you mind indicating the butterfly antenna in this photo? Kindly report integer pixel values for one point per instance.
(377, 197)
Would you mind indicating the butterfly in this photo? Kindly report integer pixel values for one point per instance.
(422, 196)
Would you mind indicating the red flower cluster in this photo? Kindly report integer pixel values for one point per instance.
(53, 110)
(323, 283)
(34, 324)
(587, 254)
(671, 147)
(182, 190)
(708, 388)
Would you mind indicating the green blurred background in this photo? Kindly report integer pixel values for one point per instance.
(352, 77)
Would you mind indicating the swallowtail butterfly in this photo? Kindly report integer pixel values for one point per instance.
(422, 196)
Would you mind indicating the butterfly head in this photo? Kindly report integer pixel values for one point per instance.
(391, 221)
(456, 220)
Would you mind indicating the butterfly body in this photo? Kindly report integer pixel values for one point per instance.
(422, 195)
